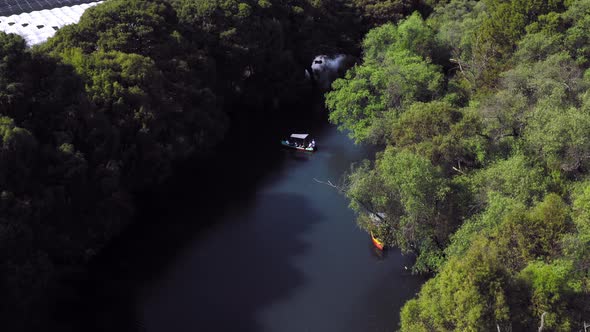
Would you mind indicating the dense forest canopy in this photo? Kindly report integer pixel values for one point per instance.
(106, 107)
(482, 110)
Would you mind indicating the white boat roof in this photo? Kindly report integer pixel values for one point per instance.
(300, 136)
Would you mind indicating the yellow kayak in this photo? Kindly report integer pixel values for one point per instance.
(376, 242)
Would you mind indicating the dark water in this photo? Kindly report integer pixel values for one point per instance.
(285, 256)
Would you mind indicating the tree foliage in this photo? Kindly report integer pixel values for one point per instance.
(107, 106)
(394, 74)
(483, 170)
(470, 293)
(481, 110)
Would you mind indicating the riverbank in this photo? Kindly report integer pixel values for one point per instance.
(275, 245)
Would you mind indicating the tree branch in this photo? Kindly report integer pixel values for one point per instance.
(542, 321)
(458, 170)
(457, 61)
(328, 183)
(363, 204)
(484, 136)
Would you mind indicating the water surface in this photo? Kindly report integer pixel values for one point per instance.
(285, 257)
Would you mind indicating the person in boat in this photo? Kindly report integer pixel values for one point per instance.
(312, 144)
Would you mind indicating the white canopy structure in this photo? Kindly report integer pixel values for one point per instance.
(38, 26)
(300, 136)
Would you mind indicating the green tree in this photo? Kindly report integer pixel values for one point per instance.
(552, 288)
(447, 136)
(559, 138)
(576, 244)
(391, 77)
(136, 26)
(485, 223)
(516, 177)
(469, 293)
(535, 234)
(381, 12)
(408, 193)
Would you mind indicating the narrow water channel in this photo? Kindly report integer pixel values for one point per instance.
(289, 257)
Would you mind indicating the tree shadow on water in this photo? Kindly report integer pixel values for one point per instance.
(227, 281)
(379, 254)
(183, 278)
(208, 210)
(376, 312)
(302, 156)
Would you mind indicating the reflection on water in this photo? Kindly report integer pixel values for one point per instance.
(292, 259)
(221, 282)
(281, 252)
(376, 252)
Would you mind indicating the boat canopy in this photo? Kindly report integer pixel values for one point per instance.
(300, 136)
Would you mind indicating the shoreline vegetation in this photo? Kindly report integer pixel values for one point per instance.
(482, 111)
(102, 112)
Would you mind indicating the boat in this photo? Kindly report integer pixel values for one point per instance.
(300, 142)
(377, 219)
(376, 242)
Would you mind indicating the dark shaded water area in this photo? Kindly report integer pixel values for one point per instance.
(248, 241)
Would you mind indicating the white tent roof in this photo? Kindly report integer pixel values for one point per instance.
(38, 26)
(300, 136)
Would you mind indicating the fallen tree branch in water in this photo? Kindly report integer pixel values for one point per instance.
(364, 205)
(328, 183)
